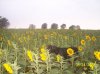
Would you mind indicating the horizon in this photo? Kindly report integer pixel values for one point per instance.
(49, 28)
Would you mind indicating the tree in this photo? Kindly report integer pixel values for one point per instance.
(31, 26)
(44, 26)
(54, 26)
(63, 26)
(4, 23)
(72, 27)
(78, 27)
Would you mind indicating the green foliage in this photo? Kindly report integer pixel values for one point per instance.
(54, 26)
(15, 43)
(4, 23)
(44, 26)
(63, 26)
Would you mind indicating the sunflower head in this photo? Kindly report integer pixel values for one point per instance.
(93, 38)
(95, 52)
(97, 55)
(91, 65)
(8, 68)
(58, 58)
(82, 42)
(88, 37)
(42, 49)
(80, 48)
(70, 51)
(30, 55)
(43, 56)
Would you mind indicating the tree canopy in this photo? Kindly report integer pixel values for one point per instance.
(54, 26)
(44, 26)
(31, 26)
(63, 26)
(4, 23)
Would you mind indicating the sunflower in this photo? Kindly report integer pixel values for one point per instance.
(43, 50)
(88, 37)
(80, 48)
(93, 38)
(8, 68)
(97, 55)
(43, 56)
(70, 51)
(91, 65)
(82, 42)
(95, 52)
(30, 55)
(58, 57)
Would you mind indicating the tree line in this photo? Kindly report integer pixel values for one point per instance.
(54, 26)
(4, 23)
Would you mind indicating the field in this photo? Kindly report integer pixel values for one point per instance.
(23, 51)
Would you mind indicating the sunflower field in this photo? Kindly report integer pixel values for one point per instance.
(23, 51)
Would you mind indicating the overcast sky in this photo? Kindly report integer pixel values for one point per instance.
(21, 13)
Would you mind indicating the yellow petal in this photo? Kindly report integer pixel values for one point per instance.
(8, 68)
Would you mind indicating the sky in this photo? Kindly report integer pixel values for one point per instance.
(21, 13)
